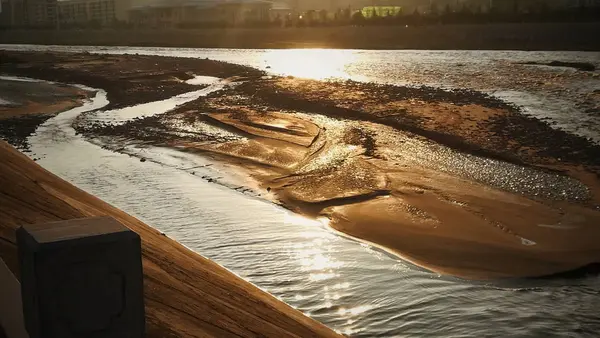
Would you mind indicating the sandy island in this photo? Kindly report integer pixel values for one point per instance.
(456, 182)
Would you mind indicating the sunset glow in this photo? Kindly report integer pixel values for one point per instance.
(310, 63)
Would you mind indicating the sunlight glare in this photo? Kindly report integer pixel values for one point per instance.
(315, 277)
(355, 310)
(316, 64)
(290, 218)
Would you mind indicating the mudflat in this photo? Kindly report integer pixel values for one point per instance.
(458, 182)
(35, 98)
(24, 105)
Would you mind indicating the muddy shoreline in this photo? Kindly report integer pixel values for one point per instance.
(127, 80)
(31, 104)
(376, 160)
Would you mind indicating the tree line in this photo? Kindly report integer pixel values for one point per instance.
(436, 16)
(379, 16)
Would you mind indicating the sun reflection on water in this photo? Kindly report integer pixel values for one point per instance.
(294, 219)
(310, 63)
(355, 310)
(315, 258)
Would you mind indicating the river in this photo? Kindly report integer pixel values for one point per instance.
(352, 287)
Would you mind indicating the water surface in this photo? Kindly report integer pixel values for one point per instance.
(566, 97)
(352, 287)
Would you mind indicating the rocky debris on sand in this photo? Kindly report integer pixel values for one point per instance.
(583, 66)
(16, 130)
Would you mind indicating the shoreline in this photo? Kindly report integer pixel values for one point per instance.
(519, 36)
(420, 207)
(220, 298)
(31, 104)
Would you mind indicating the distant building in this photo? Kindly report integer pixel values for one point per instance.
(525, 6)
(405, 6)
(41, 12)
(332, 6)
(520, 6)
(194, 12)
(12, 13)
(281, 10)
(101, 12)
(17, 13)
(380, 11)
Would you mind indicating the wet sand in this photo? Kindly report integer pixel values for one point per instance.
(356, 175)
(457, 182)
(34, 98)
(128, 80)
(28, 104)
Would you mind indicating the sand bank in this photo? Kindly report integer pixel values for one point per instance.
(28, 104)
(454, 181)
(35, 98)
(363, 157)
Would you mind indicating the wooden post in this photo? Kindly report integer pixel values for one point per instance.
(81, 278)
(11, 306)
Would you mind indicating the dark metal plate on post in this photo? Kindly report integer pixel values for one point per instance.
(81, 279)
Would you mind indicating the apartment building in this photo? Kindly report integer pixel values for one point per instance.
(102, 12)
(12, 13)
(28, 13)
(190, 12)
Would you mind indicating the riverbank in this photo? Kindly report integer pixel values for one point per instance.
(519, 36)
(218, 303)
(30, 104)
(131, 82)
(186, 294)
(390, 165)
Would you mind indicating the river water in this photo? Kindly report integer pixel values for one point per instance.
(350, 286)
